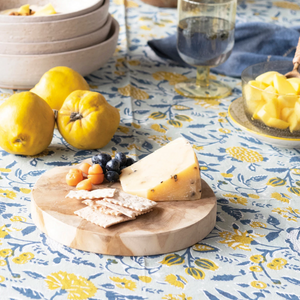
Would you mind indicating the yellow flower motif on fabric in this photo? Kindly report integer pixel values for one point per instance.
(135, 125)
(134, 92)
(227, 175)
(4, 231)
(18, 219)
(236, 199)
(203, 168)
(172, 78)
(3, 170)
(277, 264)
(198, 147)
(294, 171)
(2, 263)
(2, 278)
(256, 268)
(25, 191)
(222, 121)
(253, 196)
(6, 252)
(222, 114)
(224, 130)
(288, 213)
(287, 4)
(78, 287)
(258, 224)
(208, 103)
(176, 297)
(176, 280)
(259, 284)
(134, 62)
(244, 154)
(159, 128)
(120, 73)
(146, 279)
(8, 194)
(238, 239)
(123, 129)
(201, 247)
(257, 258)
(124, 283)
(23, 258)
(133, 146)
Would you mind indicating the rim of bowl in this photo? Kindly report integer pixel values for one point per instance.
(104, 4)
(83, 10)
(109, 20)
(259, 89)
(114, 29)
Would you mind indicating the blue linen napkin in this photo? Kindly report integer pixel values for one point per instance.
(255, 42)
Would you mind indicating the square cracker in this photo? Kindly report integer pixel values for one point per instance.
(94, 194)
(130, 201)
(99, 218)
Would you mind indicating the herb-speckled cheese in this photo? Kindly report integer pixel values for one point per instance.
(170, 173)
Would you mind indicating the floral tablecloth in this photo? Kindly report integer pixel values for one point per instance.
(254, 250)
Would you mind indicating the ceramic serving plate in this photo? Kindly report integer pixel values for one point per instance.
(237, 114)
(24, 71)
(83, 41)
(65, 9)
(38, 32)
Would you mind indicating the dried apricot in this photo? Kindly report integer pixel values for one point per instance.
(95, 169)
(96, 179)
(84, 167)
(74, 176)
(85, 184)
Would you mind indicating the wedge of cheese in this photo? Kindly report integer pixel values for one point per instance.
(170, 173)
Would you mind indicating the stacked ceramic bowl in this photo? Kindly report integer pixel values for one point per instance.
(82, 35)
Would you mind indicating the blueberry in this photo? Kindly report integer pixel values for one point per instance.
(129, 161)
(112, 176)
(95, 159)
(103, 167)
(121, 157)
(103, 158)
(113, 165)
(122, 167)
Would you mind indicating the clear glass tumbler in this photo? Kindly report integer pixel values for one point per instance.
(205, 38)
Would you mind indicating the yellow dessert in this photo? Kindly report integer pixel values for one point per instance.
(274, 100)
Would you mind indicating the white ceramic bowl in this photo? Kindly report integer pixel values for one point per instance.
(51, 31)
(83, 41)
(24, 71)
(65, 9)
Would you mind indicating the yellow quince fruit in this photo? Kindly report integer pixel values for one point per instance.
(87, 121)
(27, 124)
(57, 84)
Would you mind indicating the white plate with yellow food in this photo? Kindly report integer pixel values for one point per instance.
(237, 114)
(22, 11)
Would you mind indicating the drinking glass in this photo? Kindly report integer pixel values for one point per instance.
(205, 38)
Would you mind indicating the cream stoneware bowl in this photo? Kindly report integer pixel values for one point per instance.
(65, 9)
(24, 71)
(51, 31)
(83, 41)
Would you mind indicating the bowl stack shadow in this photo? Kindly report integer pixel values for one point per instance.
(82, 36)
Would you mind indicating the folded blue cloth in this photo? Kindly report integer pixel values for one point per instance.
(255, 42)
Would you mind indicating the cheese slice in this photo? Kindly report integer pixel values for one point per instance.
(170, 173)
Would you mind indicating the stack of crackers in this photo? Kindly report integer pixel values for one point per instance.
(107, 206)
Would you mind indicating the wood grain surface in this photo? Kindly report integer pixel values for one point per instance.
(171, 226)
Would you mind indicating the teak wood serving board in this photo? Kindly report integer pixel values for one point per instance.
(171, 226)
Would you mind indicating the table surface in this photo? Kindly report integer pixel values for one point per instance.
(254, 250)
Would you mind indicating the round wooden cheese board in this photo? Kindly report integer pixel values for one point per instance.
(171, 226)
